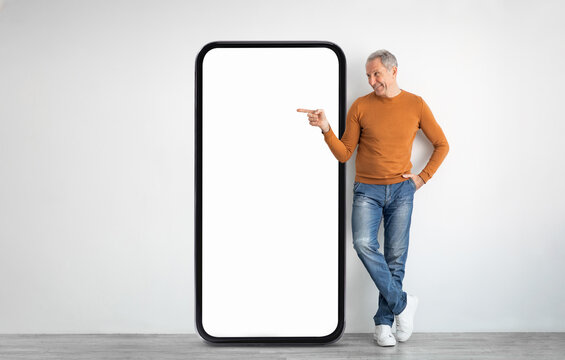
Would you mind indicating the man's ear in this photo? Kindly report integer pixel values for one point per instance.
(394, 71)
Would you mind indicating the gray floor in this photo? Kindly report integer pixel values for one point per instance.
(451, 346)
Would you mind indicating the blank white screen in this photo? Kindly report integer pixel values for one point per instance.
(269, 193)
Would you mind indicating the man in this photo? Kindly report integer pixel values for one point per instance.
(384, 123)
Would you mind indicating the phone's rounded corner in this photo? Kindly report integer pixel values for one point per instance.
(204, 335)
(337, 334)
(335, 48)
(205, 49)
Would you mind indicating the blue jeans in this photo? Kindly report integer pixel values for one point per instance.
(370, 204)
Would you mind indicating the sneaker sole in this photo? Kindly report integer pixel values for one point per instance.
(393, 343)
(384, 345)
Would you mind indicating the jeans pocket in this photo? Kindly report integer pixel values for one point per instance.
(413, 184)
(355, 185)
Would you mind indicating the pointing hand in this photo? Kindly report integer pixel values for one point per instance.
(317, 118)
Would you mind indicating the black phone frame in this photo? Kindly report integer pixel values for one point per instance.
(338, 332)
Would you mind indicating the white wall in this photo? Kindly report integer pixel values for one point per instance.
(96, 157)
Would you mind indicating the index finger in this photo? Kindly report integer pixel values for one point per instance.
(305, 110)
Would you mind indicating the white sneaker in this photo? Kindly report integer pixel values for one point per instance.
(383, 335)
(405, 320)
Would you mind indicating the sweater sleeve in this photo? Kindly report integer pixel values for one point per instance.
(434, 133)
(344, 148)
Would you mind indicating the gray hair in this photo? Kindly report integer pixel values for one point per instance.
(386, 58)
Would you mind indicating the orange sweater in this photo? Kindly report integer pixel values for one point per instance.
(385, 129)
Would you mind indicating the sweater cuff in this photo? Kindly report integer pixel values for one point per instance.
(424, 177)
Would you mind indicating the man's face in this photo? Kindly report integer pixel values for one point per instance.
(380, 79)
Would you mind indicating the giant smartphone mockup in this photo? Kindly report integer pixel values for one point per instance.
(269, 194)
